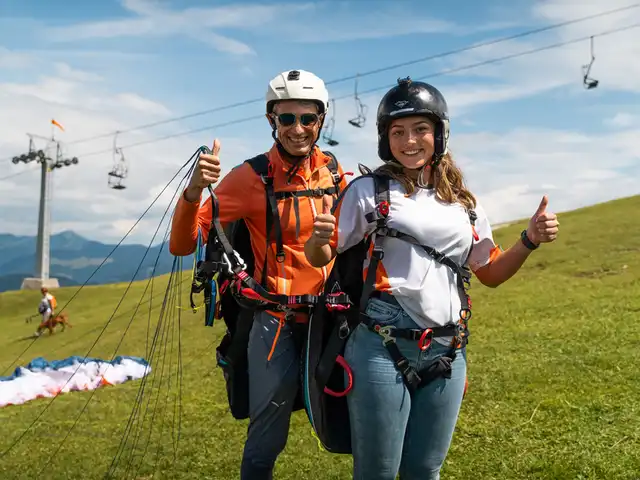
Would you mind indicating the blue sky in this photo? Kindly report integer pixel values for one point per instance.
(520, 127)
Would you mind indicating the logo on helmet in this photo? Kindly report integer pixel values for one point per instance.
(401, 103)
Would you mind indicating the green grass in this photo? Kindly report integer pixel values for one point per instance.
(553, 368)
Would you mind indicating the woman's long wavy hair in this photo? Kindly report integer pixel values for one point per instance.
(448, 181)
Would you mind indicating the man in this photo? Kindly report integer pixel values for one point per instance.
(296, 106)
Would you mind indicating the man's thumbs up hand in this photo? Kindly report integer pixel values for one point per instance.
(327, 203)
(207, 172)
(215, 150)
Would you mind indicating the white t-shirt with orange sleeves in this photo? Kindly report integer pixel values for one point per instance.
(426, 289)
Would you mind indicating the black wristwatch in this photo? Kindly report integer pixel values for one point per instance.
(526, 242)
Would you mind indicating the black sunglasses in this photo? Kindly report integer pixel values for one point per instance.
(306, 119)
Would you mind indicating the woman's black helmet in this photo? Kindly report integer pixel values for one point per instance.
(413, 98)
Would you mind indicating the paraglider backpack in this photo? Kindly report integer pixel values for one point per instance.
(51, 301)
(233, 306)
(327, 378)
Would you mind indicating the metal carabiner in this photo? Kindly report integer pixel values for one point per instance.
(239, 260)
(385, 333)
(425, 340)
(226, 261)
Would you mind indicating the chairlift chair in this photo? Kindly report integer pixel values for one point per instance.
(327, 134)
(361, 118)
(119, 170)
(588, 82)
(115, 180)
(117, 174)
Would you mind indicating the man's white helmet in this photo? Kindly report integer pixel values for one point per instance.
(297, 85)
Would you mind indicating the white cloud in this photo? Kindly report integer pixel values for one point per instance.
(623, 120)
(154, 20)
(564, 10)
(136, 102)
(141, 7)
(523, 164)
(14, 60)
(383, 21)
(71, 93)
(222, 43)
(100, 56)
(48, 89)
(65, 71)
(462, 99)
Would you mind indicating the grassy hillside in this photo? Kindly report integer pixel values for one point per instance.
(554, 383)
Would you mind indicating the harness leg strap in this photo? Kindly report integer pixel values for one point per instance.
(409, 374)
(413, 379)
(440, 367)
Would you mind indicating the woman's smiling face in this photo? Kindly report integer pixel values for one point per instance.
(411, 140)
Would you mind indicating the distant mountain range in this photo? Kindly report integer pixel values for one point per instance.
(74, 259)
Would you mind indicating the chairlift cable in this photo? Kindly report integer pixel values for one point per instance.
(374, 71)
(383, 87)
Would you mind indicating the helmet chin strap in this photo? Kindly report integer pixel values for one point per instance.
(284, 153)
(435, 161)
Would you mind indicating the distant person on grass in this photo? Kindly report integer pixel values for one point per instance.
(296, 105)
(400, 424)
(46, 308)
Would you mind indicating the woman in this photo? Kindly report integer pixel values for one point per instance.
(397, 429)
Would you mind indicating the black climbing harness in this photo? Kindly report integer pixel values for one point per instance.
(220, 256)
(442, 366)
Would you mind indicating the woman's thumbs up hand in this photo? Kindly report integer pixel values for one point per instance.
(543, 226)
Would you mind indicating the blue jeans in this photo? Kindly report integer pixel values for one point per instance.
(272, 391)
(392, 431)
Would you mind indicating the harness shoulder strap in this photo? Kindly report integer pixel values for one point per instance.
(333, 164)
(473, 216)
(260, 165)
(333, 168)
(382, 204)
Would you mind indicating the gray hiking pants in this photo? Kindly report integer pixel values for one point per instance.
(272, 390)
